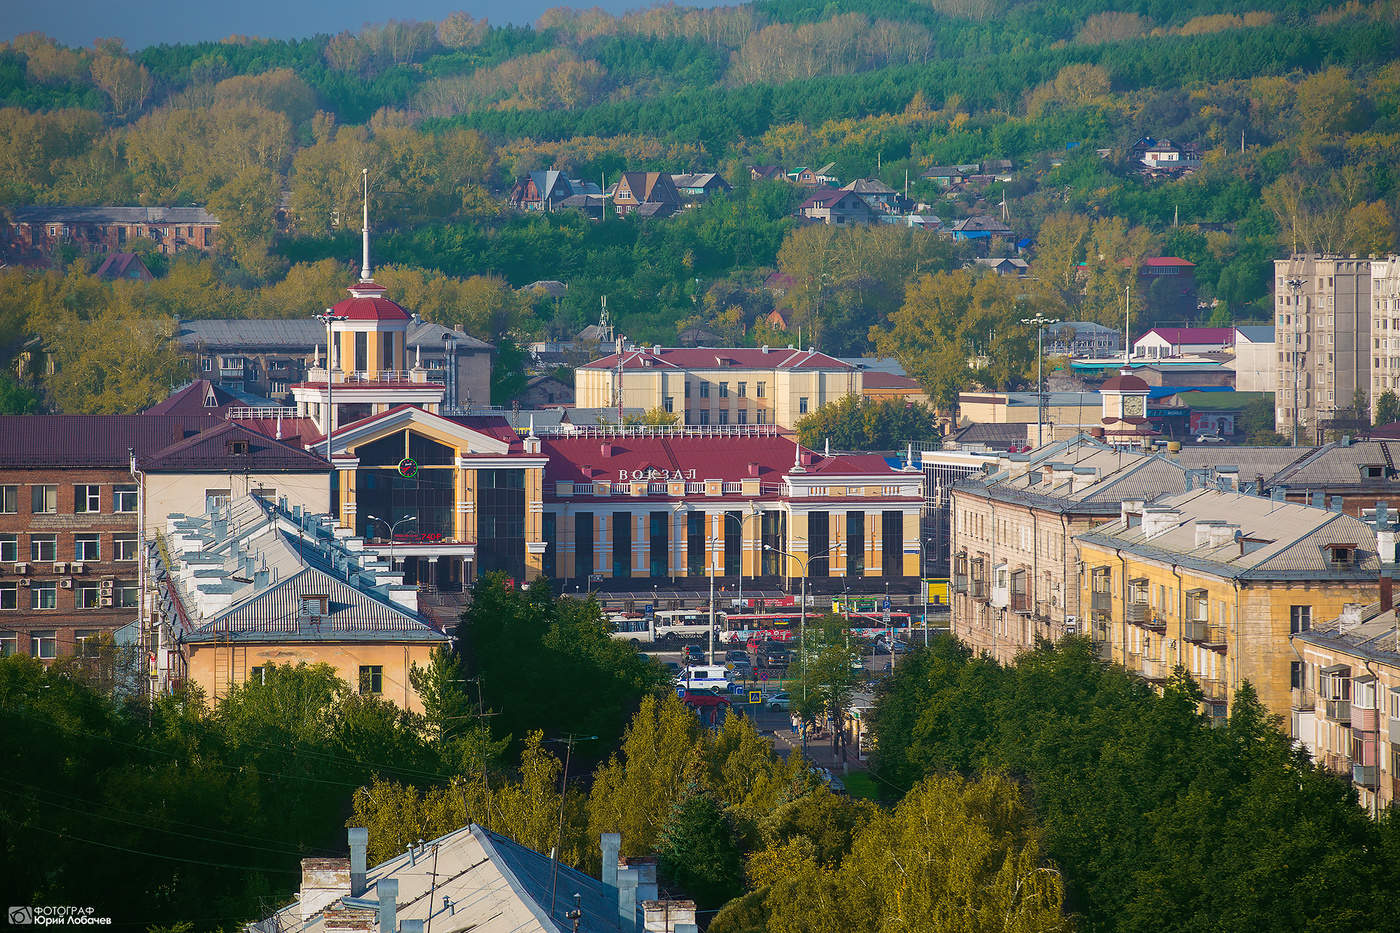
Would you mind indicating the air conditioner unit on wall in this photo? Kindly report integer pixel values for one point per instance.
(107, 586)
(66, 583)
(78, 567)
(25, 582)
(60, 568)
(106, 601)
(21, 568)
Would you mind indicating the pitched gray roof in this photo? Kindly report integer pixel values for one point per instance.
(1287, 541)
(114, 215)
(299, 335)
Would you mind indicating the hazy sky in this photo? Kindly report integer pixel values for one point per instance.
(151, 22)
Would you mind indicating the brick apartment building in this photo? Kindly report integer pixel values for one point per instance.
(37, 232)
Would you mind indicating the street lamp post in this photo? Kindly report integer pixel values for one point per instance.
(1039, 321)
(328, 318)
(393, 528)
(804, 562)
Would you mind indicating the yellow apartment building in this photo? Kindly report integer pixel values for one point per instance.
(709, 386)
(1216, 582)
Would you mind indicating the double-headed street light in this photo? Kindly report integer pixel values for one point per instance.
(393, 528)
(1039, 322)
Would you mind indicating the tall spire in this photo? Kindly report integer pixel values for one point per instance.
(365, 274)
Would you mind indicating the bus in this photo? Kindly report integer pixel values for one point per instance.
(669, 627)
(748, 627)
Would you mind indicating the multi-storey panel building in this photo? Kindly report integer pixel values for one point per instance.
(1385, 328)
(1216, 582)
(708, 386)
(1322, 322)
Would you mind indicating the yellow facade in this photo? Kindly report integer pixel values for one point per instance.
(1150, 616)
(215, 667)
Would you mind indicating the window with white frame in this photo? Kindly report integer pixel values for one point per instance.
(127, 595)
(9, 643)
(87, 596)
(44, 644)
(124, 547)
(9, 549)
(124, 498)
(9, 596)
(43, 499)
(43, 548)
(87, 547)
(87, 498)
(9, 500)
(43, 596)
(86, 642)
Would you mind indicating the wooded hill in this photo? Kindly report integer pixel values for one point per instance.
(1294, 109)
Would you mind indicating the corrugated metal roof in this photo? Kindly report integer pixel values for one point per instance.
(39, 441)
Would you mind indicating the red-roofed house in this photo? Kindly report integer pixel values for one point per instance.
(730, 385)
(128, 266)
(837, 207)
(1162, 342)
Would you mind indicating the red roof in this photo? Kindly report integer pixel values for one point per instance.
(1167, 262)
(1125, 383)
(1208, 336)
(370, 309)
(720, 358)
(766, 458)
(875, 379)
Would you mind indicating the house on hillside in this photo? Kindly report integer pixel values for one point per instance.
(125, 266)
(1160, 342)
(880, 196)
(35, 233)
(1162, 156)
(815, 177)
(540, 191)
(837, 207)
(700, 186)
(647, 194)
(981, 229)
(948, 175)
(1018, 268)
(765, 172)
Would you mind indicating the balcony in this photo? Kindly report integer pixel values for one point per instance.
(978, 588)
(1154, 669)
(1138, 613)
(1338, 711)
(1021, 602)
(1395, 732)
(959, 583)
(1304, 698)
(1101, 603)
(1197, 630)
(1363, 775)
(1214, 688)
(1363, 720)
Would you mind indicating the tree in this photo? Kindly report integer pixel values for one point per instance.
(1387, 407)
(857, 423)
(655, 417)
(698, 851)
(126, 83)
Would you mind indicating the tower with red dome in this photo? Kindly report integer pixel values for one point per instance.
(367, 358)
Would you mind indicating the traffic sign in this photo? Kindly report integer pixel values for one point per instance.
(650, 610)
(762, 675)
(755, 696)
(680, 692)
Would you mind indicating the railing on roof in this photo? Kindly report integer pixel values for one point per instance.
(667, 430)
(242, 413)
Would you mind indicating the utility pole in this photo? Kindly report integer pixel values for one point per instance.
(568, 742)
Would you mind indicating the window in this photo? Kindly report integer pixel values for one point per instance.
(9, 643)
(43, 596)
(86, 596)
(695, 544)
(724, 390)
(86, 642)
(87, 547)
(669, 404)
(215, 499)
(704, 390)
(124, 498)
(1295, 674)
(207, 364)
(124, 547)
(127, 595)
(1299, 619)
(687, 390)
(43, 548)
(43, 644)
(9, 595)
(855, 543)
(43, 500)
(361, 352)
(724, 416)
(371, 679)
(9, 549)
(583, 544)
(87, 498)
(622, 545)
(761, 417)
(758, 390)
(743, 389)
(743, 416)
(9, 500)
(802, 405)
(658, 543)
(704, 416)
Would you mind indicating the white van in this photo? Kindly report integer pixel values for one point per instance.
(711, 677)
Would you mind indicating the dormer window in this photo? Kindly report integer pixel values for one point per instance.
(312, 607)
(1373, 472)
(238, 447)
(1341, 555)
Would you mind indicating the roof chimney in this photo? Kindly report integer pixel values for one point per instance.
(388, 890)
(359, 846)
(1157, 521)
(626, 899)
(645, 866)
(611, 845)
(323, 881)
(665, 916)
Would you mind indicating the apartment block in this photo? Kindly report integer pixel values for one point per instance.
(1385, 328)
(1322, 322)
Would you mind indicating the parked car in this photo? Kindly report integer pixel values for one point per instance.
(772, 655)
(883, 647)
(778, 701)
(736, 655)
(711, 677)
(694, 654)
(1209, 439)
(741, 667)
